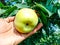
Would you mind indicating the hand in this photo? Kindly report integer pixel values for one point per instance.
(9, 35)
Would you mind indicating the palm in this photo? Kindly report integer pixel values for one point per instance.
(9, 35)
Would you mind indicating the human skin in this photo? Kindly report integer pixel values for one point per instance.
(9, 35)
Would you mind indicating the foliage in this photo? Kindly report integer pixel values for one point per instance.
(49, 15)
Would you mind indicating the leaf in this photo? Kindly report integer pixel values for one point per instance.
(5, 7)
(59, 12)
(20, 5)
(45, 22)
(2, 11)
(8, 11)
(57, 22)
(1, 4)
(40, 6)
(43, 18)
(13, 13)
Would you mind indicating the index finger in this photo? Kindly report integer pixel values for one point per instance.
(9, 19)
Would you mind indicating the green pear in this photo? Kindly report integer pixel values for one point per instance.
(26, 20)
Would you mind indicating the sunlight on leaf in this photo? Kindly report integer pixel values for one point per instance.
(2, 11)
(59, 12)
(20, 5)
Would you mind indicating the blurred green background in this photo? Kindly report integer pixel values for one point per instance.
(49, 11)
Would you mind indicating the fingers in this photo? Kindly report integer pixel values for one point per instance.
(24, 36)
(4, 27)
(1, 19)
(9, 19)
(35, 30)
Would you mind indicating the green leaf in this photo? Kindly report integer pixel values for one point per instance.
(1, 4)
(57, 22)
(45, 22)
(43, 18)
(5, 7)
(20, 5)
(40, 6)
(8, 11)
(13, 13)
(59, 12)
(2, 11)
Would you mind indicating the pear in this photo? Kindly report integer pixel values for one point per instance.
(26, 20)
